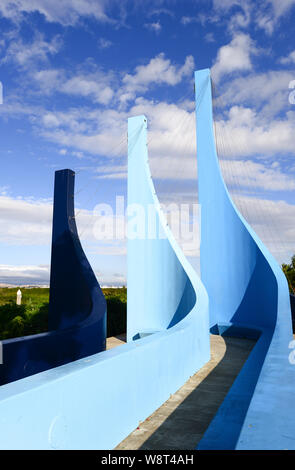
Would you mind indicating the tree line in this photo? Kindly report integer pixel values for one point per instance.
(289, 271)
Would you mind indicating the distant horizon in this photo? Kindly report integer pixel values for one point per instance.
(47, 286)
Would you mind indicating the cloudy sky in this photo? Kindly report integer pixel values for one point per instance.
(72, 72)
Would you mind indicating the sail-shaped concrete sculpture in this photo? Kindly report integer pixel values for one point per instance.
(162, 287)
(77, 315)
(76, 299)
(109, 393)
(248, 296)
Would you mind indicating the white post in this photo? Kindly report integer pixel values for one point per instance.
(19, 297)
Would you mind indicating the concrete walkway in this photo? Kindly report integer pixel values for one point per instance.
(114, 341)
(182, 420)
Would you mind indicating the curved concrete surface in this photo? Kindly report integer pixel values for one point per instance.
(248, 295)
(95, 402)
(183, 419)
(77, 309)
(162, 286)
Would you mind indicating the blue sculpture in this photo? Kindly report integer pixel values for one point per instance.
(248, 297)
(77, 313)
(109, 393)
(162, 287)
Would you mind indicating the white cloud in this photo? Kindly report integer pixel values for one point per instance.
(281, 7)
(290, 59)
(235, 56)
(246, 134)
(269, 15)
(160, 11)
(24, 274)
(265, 15)
(92, 83)
(67, 12)
(171, 129)
(50, 120)
(104, 43)
(25, 222)
(159, 70)
(272, 220)
(70, 12)
(86, 86)
(30, 54)
(88, 81)
(266, 21)
(273, 223)
(209, 37)
(244, 130)
(111, 171)
(48, 80)
(73, 120)
(105, 143)
(29, 222)
(155, 27)
(188, 20)
(267, 92)
(39, 275)
(228, 4)
(248, 174)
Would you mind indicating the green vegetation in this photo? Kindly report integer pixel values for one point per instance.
(117, 310)
(32, 316)
(289, 270)
(27, 319)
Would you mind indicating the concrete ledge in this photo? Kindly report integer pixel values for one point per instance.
(181, 422)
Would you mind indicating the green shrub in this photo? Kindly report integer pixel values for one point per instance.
(31, 317)
(16, 327)
(116, 318)
(289, 271)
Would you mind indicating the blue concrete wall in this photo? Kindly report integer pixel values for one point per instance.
(248, 296)
(94, 403)
(77, 315)
(160, 290)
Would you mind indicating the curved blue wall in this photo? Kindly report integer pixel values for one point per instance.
(248, 296)
(95, 402)
(162, 288)
(77, 310)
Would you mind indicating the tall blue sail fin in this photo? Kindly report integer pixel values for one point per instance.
(248, 296)
(163, 289)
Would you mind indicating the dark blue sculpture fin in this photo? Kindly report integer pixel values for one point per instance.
(74, 289)
(77, 316)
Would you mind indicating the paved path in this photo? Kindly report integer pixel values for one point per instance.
(114, 341)
(182, 420)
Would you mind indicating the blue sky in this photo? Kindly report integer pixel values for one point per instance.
(74, 71)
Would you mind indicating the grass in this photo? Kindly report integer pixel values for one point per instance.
(31, 317)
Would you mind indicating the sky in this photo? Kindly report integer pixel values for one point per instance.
(72, 72)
